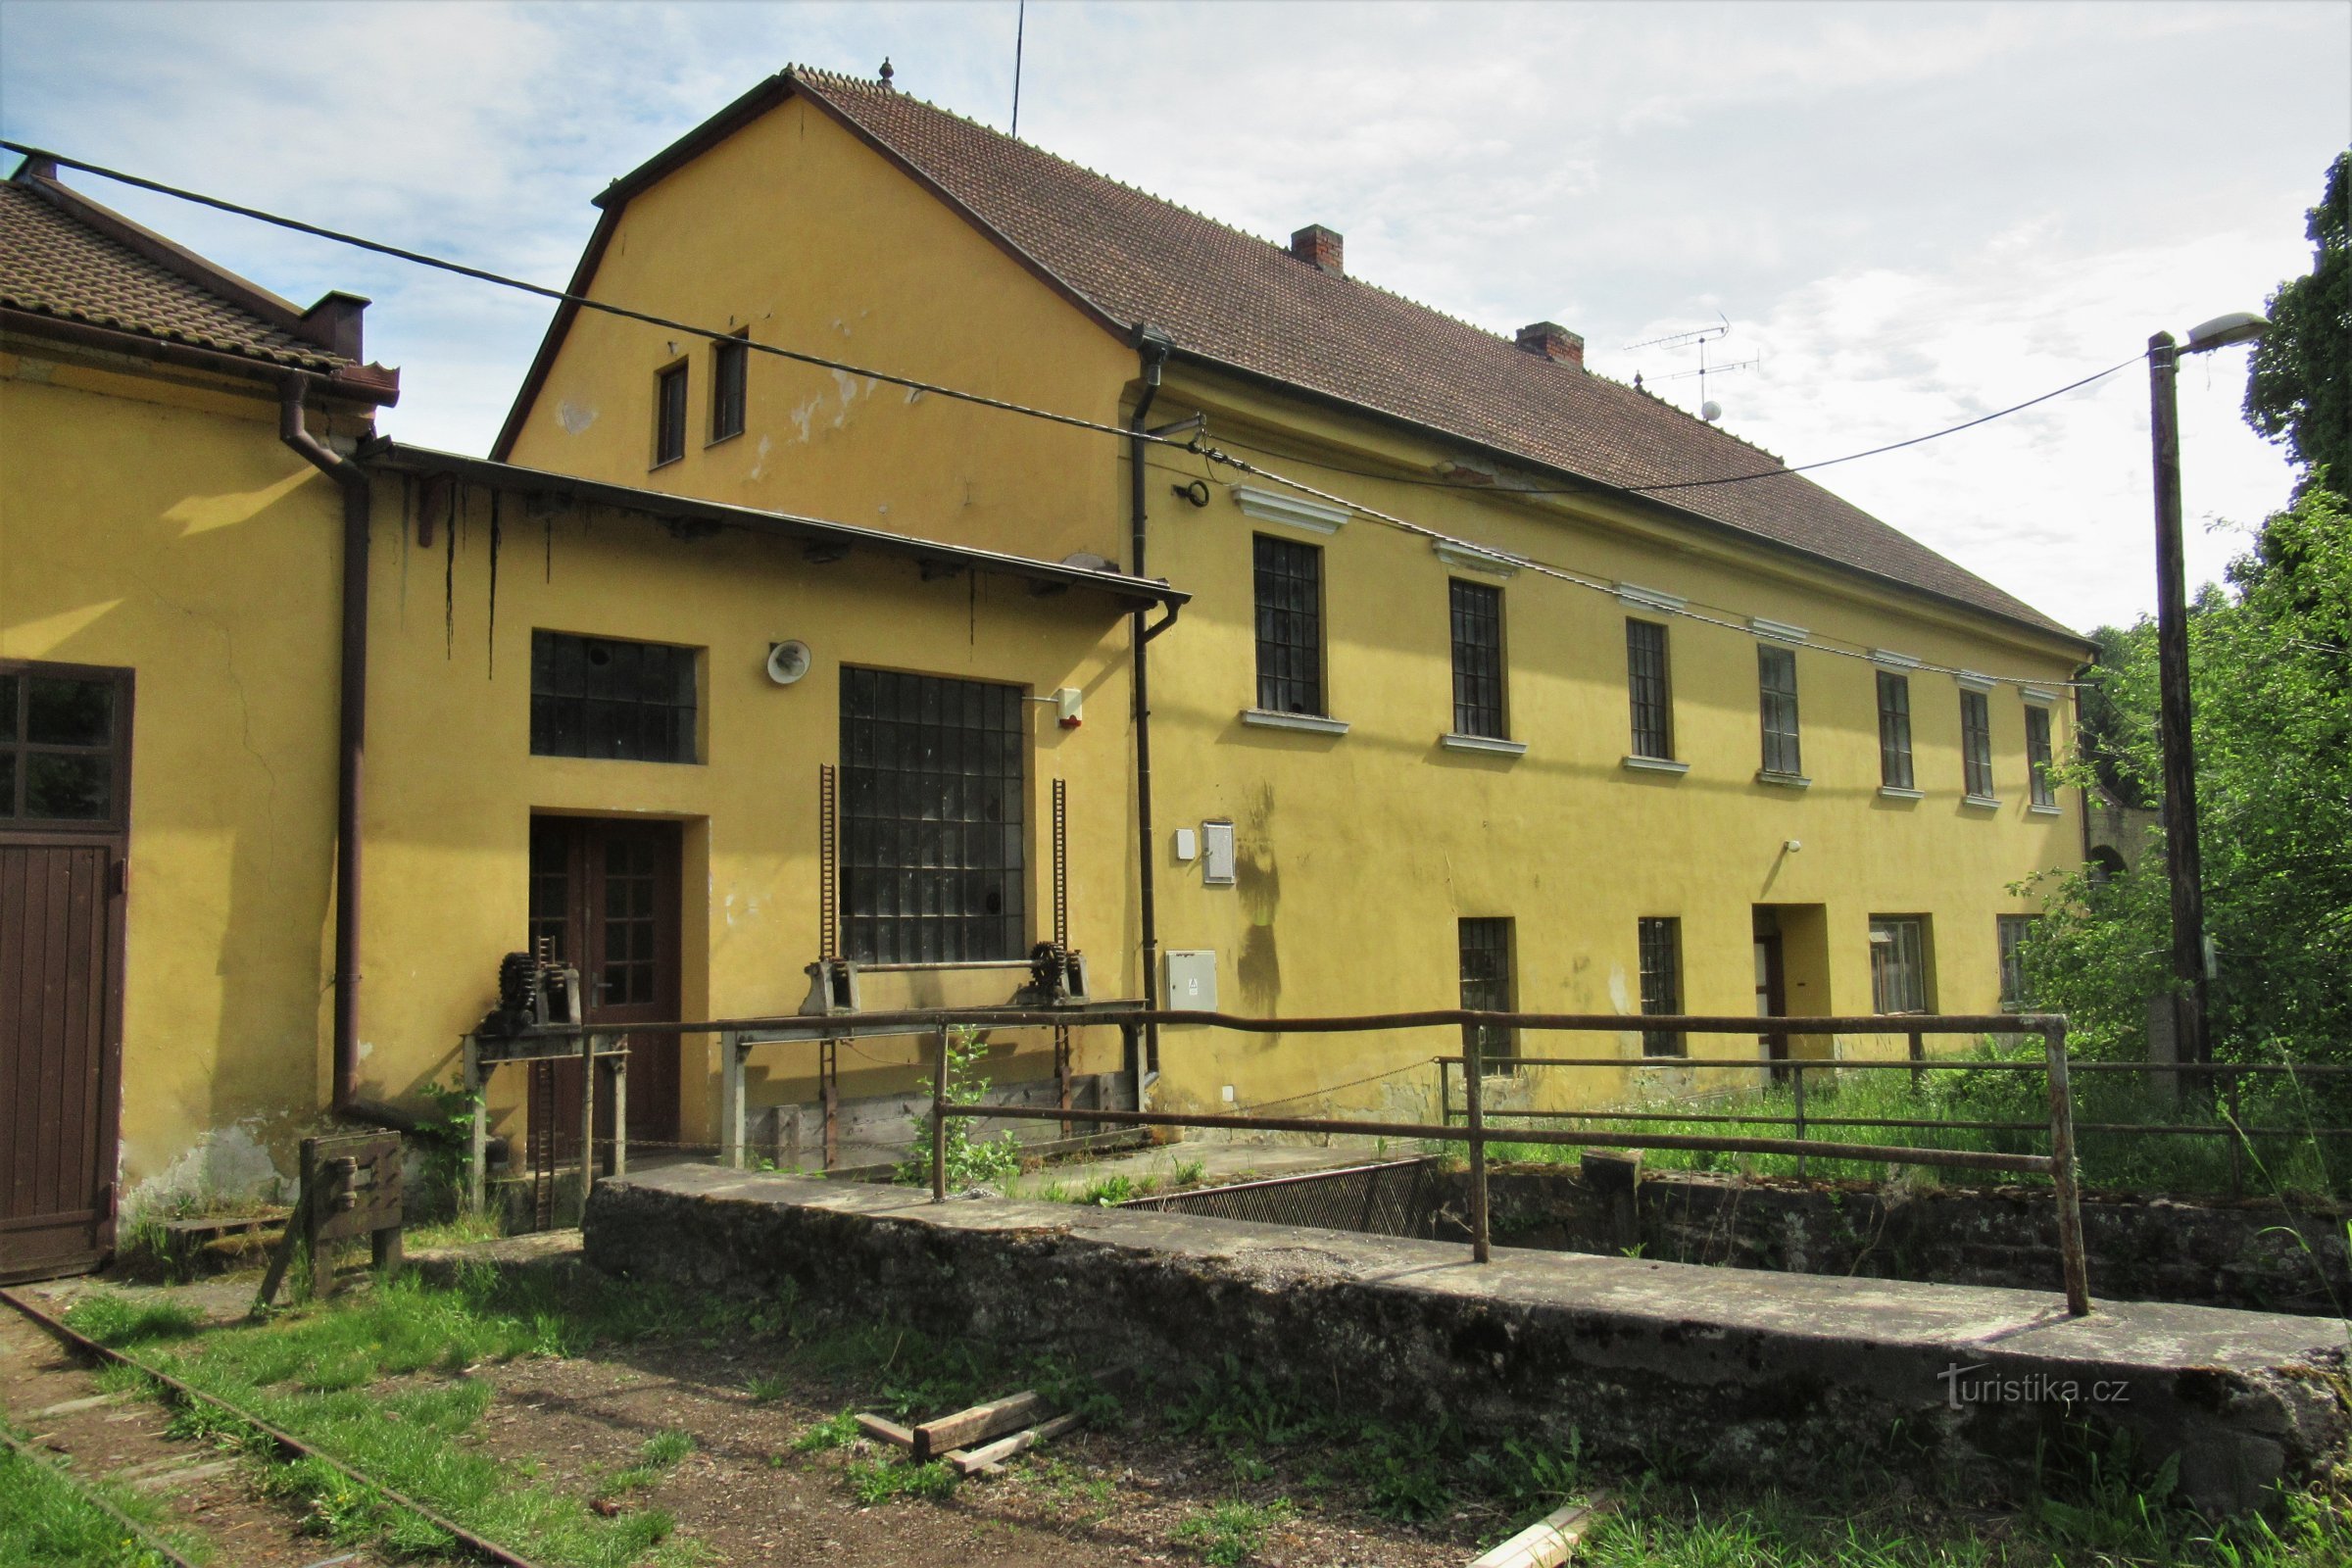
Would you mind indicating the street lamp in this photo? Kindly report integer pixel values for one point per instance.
(2183, 860)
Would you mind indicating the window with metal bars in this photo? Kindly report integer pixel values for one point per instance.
(1478, 659)
(1660, 939)
(604, 697)
(669, 414)
(1647, 686)
(730, 364)
(1899, 963)
(1290, 626)
(1776, 687)
(1485, 945)
(2038, 755)
(2012, 931)
(1976, 745)
(1894, 730)
(933, 819)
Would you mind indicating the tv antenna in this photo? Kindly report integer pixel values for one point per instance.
(1698, 338)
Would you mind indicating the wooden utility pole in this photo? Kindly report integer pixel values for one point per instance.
(2183, 860)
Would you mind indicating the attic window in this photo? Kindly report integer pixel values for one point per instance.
(669, 414)
(730, 361)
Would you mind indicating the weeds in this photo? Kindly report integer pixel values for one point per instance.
(833, 1432)
(766, 1388)
(970, 1162)
(1233, 1532)
(890, 1477)
(47, 1518)
(660, 1456)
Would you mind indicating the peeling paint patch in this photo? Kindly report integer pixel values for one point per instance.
(574, 419)
(227, 1162)
(803, 414)
(1617, 993)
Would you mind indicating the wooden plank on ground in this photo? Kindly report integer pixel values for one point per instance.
(885, 1431)
(967, 1428)
(1547, 1541)
(988, 1460)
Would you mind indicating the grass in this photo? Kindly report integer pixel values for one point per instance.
(890, 1478)
(2290, 1162)
(1233, 1532)
(833, 1432)
(47, 1520)
(658, 1455)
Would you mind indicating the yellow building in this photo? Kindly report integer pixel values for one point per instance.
(559, 710)
(1502, 682)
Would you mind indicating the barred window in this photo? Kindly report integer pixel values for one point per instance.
(2013, 929)
(1894, 731)
(730, 361)
(1290, 626)
(669, 414)
(1976, 745)
(932, 793)
(1646, 685)
(2038, 755)
(1776, 684)
(1661, 944)
(1478, 659)
(603, 696)
(1899, 963)
(1485, 960)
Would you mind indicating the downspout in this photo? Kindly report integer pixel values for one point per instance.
(1152, 349)
(352, 731)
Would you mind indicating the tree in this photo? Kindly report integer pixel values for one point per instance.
(2299, 390)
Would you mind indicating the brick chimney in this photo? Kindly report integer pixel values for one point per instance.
(1555, 342)
(1320, 247)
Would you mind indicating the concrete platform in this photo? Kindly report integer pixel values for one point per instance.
(1736, 1372)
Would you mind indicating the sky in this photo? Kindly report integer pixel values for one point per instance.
(1910, 215)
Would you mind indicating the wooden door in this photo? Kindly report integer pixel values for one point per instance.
(1772, 992)
(604, 897)
(65, 736)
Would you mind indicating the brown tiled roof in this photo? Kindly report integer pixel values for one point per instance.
(53, 263)
(1231, 299)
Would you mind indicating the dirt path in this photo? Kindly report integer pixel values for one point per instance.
(55, 1398)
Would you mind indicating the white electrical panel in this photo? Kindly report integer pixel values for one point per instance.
(1187, 845)
(1217, 853)
(1192, 979)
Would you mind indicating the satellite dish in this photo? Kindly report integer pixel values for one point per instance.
(788, 662)
(1710, 411)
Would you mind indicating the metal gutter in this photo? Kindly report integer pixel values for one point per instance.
(393, 458)
(354, 385)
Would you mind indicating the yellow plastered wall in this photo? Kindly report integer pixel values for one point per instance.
(1357, 853)
(161, 526)
(797, 231)
(453, 784)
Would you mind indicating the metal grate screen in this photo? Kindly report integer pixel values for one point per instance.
(933, 825)
(1976, 744)
(1485, 960)
(1661, 944)
(1646, 684)
(602, 696)
(1776, 687)
(2038, 755)
(1894, 731)
(1478, 659)
(1290, 626)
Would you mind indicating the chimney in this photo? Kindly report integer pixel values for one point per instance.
(1319, 247)
(1555, 342)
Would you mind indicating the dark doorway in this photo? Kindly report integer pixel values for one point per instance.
(604, 899)
(64, 782)
(1772, 983)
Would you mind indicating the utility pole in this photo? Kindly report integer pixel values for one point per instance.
(2184, 859)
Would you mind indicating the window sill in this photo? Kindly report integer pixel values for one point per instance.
(722, 440)
(1307, 723)
(666, 462)
(1895, 792)
(1490, 744)
(1990, 803)
(1785, 781)
(1656, 765)
(2046, 811)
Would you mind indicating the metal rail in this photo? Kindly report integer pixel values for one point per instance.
(187, 1393)
(148, 1540)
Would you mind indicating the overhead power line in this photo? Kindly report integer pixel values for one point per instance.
(1195, 443)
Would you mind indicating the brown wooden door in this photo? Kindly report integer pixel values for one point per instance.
(64, 775)
(604, 899)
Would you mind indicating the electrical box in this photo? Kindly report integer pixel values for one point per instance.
(1217, 853)
(1187, 845)
(1192, 979)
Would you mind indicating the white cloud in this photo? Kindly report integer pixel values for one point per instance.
(1918, 214)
